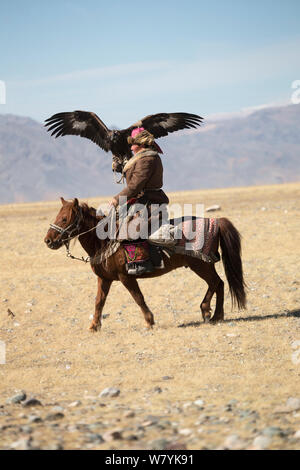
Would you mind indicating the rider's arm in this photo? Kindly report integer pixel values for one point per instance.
(141, 173)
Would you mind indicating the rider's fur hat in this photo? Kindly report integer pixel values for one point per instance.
(140, 136)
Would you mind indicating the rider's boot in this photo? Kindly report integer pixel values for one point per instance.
(156, 256)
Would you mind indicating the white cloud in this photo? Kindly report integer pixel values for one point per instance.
(246, 111)
(109, 72)
(125, 89)
(159, 76)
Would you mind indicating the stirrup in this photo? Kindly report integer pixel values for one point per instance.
(137, 269)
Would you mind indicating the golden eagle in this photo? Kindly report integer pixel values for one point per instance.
(89, 125)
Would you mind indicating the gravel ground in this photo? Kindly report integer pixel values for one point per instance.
(183, 385)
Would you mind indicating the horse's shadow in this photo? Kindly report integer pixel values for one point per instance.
(291, 313)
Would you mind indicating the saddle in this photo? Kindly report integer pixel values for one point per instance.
(142, 257)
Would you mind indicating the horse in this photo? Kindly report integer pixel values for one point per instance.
(80, 220)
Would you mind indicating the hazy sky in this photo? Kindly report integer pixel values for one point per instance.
(125, 59)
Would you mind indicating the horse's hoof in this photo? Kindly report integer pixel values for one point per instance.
(206, 317)
(214, 321)
(93, 328)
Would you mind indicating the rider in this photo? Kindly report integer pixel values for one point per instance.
(144, 178)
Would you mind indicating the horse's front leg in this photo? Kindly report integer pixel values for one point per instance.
(103, 289)
(131, 284)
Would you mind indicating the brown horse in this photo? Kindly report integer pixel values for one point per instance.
(74, 220)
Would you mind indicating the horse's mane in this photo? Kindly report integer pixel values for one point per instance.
(89, 211)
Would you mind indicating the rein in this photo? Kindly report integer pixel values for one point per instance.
(69, 255)
(75, 226)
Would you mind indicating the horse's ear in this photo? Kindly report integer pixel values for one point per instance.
(75, 203)
(63, 201)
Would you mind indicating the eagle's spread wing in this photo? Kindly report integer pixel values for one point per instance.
(162, 124)
(83, 123)
(89, 125)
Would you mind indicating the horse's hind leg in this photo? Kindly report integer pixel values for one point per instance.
(215, 285)
(219, 311)
(131, 284)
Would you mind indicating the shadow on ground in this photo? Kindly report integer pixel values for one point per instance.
(276, 316)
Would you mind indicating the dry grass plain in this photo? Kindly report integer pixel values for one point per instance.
(242, 369)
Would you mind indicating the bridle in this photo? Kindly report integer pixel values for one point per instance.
(70, 229)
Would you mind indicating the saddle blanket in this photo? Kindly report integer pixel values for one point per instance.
(136, 252)
(192, 236)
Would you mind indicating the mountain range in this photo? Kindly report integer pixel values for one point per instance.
(260, 148)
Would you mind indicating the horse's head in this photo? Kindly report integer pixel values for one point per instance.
(66, 225)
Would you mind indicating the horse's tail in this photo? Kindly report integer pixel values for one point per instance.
(230, 241)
